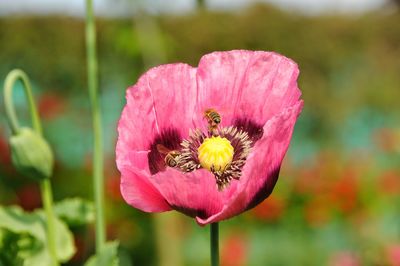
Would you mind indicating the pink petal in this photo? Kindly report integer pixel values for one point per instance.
(194, 193)
(161, 97)
(164, 97)
(262, 166)
(256, 85)
(219, 79)
(174, 92)
(138, 191)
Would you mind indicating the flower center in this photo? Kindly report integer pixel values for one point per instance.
(222, 150)
(215, 153)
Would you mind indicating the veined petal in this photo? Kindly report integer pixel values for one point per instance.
(164, 97)
(262, 166)
(173, 88)
(219, 77)
(241, 83)
(269, 87)
(194, 193)
(138, 191)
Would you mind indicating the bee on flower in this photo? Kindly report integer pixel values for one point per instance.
(208, 141)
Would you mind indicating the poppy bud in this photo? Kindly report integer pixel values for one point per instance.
(31, 154)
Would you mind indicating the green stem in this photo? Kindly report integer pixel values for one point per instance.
(214, 244)
(47, 199)
(45, 185)
(98, 178)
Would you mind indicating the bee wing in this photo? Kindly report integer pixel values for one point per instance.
(162, 149)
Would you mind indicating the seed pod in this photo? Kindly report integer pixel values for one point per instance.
(31, 154)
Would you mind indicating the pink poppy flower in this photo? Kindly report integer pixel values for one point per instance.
(208, 141)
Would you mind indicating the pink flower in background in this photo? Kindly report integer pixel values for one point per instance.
(393, 254)
(208, 141)
(344, 258)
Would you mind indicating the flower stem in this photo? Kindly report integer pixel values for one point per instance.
(98, 178)
(45, 186)
(214, 244)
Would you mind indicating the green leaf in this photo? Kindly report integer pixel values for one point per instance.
(107, 257)
(25, 233)
(65, 246)
(9, 249)
(75, 211)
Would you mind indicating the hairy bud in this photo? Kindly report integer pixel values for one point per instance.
(31, 154)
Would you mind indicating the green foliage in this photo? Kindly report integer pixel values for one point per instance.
(75, 211)
(347, 63)
(108, 256)
(31, 154)
(24, 238)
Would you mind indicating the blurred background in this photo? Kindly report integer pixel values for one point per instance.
(337, 199)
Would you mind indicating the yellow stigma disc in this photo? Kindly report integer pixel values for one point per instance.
(215, 151)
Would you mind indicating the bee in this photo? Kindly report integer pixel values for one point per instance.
(213, 119)
(170, 155)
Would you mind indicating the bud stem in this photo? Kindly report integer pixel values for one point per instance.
(47, 199)
(11, 78)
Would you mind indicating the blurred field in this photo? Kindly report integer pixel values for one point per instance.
(337, 199)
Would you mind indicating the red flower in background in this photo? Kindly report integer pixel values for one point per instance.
(5, 158)
(113, 187)
(389, 182)
(234, 251)
(344, 193)
(317, 211)
(51, 105)
(81, 246)
(388, 139)
(270, 209)
(29, 197)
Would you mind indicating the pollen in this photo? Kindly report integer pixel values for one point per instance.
(215, 153)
